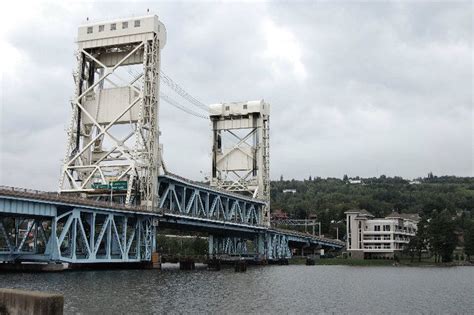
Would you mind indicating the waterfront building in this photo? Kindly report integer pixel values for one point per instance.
(370, 237)
(279, 214)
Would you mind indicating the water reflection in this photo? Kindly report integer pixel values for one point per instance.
(270, 289)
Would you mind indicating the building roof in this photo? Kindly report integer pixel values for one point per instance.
(360, 213)
(406, 216)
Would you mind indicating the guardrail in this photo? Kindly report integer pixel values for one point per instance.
(57, 197)
(307, 235)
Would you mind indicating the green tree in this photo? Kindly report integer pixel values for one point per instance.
(469, 240)
(441, 236)
(421, 237)
(410, 249)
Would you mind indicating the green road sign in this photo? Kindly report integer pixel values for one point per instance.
(120, 185)
(117, 185)
(100, 186)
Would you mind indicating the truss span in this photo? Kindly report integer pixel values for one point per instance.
(184, 197)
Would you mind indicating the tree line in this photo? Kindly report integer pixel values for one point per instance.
(445, 204)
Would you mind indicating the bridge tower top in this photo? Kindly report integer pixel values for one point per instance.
(113, 140)
(241, 149)
(121, 31)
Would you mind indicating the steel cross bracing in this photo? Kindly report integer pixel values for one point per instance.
(99, 150)
(265, 246)
(180, 196)
(49, 227)
(37, 230)
(241, 150)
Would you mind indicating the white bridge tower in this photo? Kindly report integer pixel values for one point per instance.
(113, 150)
(241, 149)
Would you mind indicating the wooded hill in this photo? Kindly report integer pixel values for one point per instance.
(329, 198)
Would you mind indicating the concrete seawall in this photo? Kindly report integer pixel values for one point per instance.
(19, 302)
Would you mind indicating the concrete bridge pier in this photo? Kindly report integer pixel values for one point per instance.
(214, 264)
(240, 266)
(187, 264)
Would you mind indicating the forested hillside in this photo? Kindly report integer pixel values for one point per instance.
(329, 198)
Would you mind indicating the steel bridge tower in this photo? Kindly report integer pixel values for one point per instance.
(241, 150)
(113, 148)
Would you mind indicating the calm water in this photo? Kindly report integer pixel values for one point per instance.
(271, 289)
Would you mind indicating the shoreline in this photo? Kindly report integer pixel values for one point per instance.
(378, 263)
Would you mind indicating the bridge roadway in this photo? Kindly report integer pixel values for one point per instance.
(47, 226)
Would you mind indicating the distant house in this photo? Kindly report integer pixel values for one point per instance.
(355, 181)
(415, 182)
(289, 191)
(279, 214)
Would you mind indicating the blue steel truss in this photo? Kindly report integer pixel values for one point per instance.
(265, 246)
(37, 230)
(181, 196)
(87, 236)
(38, 226)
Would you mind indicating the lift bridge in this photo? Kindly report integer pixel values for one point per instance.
(115, 191)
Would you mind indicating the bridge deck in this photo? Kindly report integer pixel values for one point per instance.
(47, 226)
(64, 199)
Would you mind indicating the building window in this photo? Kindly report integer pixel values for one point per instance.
(137, 23)
(376, 227)
(89, 30)
(227, 108)
(113, 27)
(124, 25)
(245, 106)
(386, 227)
(101, 28)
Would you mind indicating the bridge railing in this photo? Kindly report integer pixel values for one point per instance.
(310, 236)
(57, 197)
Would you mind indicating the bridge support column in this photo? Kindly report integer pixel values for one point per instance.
(211, 251)
(225, 245)
(187, 264)
(277, 247)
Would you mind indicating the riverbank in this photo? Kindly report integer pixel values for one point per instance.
(377, 262)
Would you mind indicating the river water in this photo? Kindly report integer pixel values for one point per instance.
(269, 289)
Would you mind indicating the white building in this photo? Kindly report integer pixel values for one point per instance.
(369, 237)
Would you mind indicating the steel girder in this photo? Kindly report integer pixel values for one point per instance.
(78, 236)
(230, 246)
(268, 246)
(277, 246)
(21, 236)
(186, 199)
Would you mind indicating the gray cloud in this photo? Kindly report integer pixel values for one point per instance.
(358, 88)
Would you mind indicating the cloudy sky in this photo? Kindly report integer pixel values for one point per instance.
(357, 88)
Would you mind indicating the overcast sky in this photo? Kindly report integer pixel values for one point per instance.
(357, 88)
